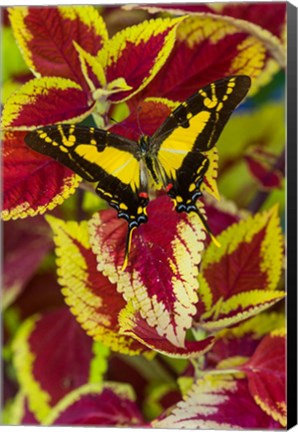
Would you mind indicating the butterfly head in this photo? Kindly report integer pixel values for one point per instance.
(144, 145)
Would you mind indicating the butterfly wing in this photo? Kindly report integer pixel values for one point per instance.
(191, 129)
(99, 156)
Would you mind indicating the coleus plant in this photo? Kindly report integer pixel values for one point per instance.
(188, 321)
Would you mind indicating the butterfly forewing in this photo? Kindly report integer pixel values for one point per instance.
(88, 151)
(197, 123)
(192, 129)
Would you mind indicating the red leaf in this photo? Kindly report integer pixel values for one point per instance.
(217, 402)
(49, 48)
(266, 375)
(268, 16)
(138, 52)
(239, 279)
(134, 325)
(35, 300)
(241, 268)
(144, 119)
(62, 354)
(262, 166)
(161, 277)
(220, 214)
(93, 299)
(224, 348)
(32, 183)
(192, 66)
(44, 101)
(105, 408)
(18, 237)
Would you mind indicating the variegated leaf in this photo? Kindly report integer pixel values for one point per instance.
(32, 183)
(97, 405)
(46, 35)
(17, 235)
(266, 373)
(262, 165)
(132, 324)
(137, 53)
(52, 356)
(44, 101)
(238, 279)
(207, 48)
(92, 298)
(217, 402)
(161, 278)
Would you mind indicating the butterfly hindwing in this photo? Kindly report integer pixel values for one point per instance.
(185, 190)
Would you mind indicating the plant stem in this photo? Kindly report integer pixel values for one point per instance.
(150, 370)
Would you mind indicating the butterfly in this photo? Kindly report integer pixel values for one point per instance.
(172, 158)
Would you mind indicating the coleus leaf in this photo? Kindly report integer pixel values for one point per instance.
(18, 236)
(43, 101)
(171, 8)
(221, 214)
(266, 375)
(243, 339)
(132, 324)
(238, 279)
(160, 278)
(95, 404)
(34, 300)
(32, 183)
(46, 35)
(137, 53)
(217, 402)
(92, 298)
(261, 164)
(105, 77)
(206, 49)
(160, 398)
(52, 356)
(19, 412)
(109, 404)
(270, 17)
(146, 119)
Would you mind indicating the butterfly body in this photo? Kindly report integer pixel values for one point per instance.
(173, 158)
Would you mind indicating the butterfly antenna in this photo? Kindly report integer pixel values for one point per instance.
(127, 247)
(139, 109)
(207, 228)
